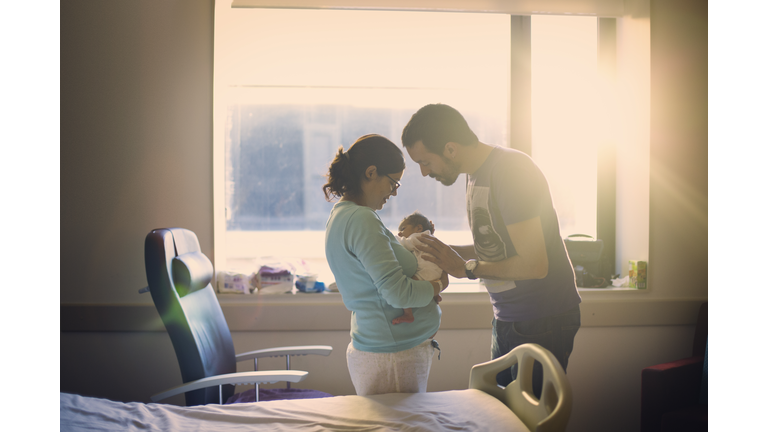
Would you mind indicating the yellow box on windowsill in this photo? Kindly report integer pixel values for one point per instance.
(638, 274)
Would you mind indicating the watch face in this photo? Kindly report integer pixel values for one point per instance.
(469, 267)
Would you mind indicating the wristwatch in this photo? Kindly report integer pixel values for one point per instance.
(469, 267)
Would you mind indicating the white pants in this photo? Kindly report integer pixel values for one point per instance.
(401, 372)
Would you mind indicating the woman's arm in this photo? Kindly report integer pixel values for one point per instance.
(369, 242)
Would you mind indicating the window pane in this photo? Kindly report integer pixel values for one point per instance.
(301, 83)
(565, 99)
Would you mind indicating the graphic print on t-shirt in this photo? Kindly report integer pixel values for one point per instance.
(488, 243)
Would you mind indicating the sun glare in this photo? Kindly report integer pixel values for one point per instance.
(564, 95)
(365, 58)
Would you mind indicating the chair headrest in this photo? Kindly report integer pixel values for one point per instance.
(192, 271)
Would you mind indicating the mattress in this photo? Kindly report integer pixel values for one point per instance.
(465, 410)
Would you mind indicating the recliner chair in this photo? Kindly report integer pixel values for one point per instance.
(178, 277)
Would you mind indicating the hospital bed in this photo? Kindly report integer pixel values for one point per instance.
(483, 406)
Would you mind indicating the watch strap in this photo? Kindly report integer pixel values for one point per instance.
(469, 273)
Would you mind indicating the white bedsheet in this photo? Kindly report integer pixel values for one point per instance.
(464, 410)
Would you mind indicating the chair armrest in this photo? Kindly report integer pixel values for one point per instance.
(255, 377)
(668, 386)
(282, 351)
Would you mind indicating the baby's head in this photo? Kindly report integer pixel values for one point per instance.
(415, 223)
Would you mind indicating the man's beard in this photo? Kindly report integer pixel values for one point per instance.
(451, 173)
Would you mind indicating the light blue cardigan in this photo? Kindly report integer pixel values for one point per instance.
(373, 274)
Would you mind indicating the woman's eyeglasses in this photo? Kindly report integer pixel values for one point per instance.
(395, 183)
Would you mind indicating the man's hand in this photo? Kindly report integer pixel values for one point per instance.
(531, 261)
(443, 255)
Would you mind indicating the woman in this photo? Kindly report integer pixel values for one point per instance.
(373, 273)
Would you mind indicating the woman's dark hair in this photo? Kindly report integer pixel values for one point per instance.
(346, 172)
(417, 218)
(436, 125)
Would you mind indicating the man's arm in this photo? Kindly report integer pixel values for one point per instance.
(467, 252)
(531, 261)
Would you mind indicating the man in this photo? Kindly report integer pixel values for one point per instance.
(517, 252)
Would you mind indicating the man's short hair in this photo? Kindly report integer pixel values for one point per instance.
(436, 125)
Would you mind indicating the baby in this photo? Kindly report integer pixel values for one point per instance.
(411, 228)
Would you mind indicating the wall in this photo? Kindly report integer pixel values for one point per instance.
(679, 142)
(136, 130)
(136, 138)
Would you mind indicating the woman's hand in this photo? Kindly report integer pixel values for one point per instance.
(444, 280)
(439, 285)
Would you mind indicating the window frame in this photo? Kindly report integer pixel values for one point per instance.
(610, 14)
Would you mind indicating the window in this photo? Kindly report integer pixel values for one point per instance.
(292, 85)
(564, 109)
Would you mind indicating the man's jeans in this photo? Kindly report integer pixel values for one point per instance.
(555, 333)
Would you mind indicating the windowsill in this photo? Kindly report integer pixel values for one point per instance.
(460, 290)
(324, 274)
(465, 306)
(607, 307)
(610, 289)
(326, 312)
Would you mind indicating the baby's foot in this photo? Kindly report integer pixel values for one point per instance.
(404, 318)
